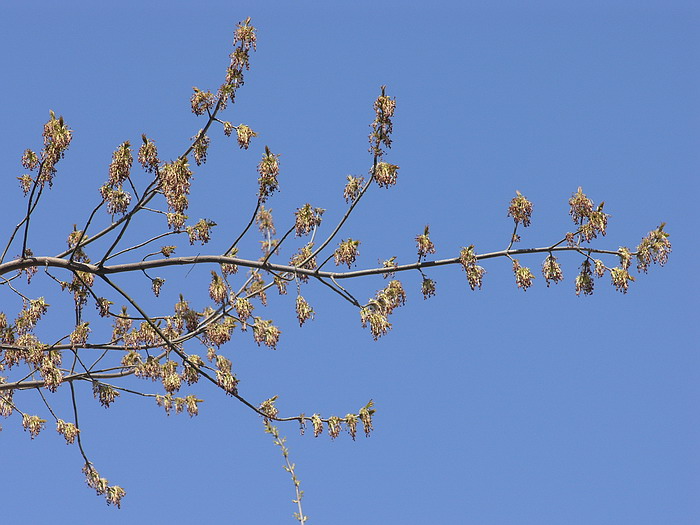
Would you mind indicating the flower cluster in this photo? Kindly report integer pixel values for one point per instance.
(584, 280)
(385, 174)
(304, 310)
(104, 393)
(551, 270)
(113, 493)
(57, 138)
(266, 333)
(68, 430)
(200, 147)
(245, 38)
(148, 155)
(428, 288)
(201, 231)
(201, 101)
(378, 309)
(346, 253)
(243, 135)
(520, 209)
(424, 244)
(475, 273)
(306, 219)
(168, 402)
(302, 255)
(353, 188)
(268, 168)
(120, 167)
(382, 126)
(591, 221)
(174, 178)
(224, 378)
(523, 275)
(654, 248)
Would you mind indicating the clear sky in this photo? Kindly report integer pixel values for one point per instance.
(494, 406)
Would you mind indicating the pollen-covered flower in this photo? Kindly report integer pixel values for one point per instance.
(385, 174)
(581, 206)
(304, 310)
(243, 135)
(475, 273)
(148, 155)
(523, 275)
(268, 168)
(551, 270)
(353, 188)
(424, 244)
(520, 209)
(201, 101)
(306, 219)
(119, 168)
(654, 248)
(346, 253)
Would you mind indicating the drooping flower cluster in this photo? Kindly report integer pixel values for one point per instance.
(57, 138)
(378, 309)
(551, 270)
(428, 288)
(475, 273)
(266, 333)
(302, 255)
(584, 280)
(174, 178)
(385, 174)
(304, 310)
(148, 155)
(200, 147)
(243, 135)
(113, 493)
(523, 275)
(202, 101)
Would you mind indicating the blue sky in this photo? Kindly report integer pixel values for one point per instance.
(494, 406)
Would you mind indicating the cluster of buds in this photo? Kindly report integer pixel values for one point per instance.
(347, 252)
(520, 209)
(306, 219)
(475, 273)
